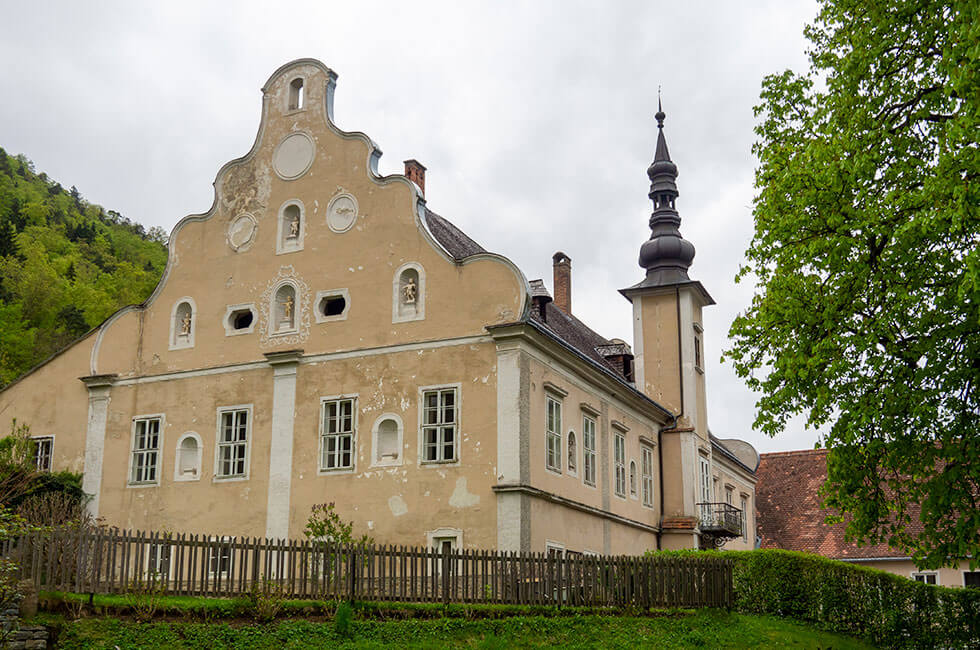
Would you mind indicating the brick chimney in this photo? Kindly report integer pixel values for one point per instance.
(562, 265)
(416, 173)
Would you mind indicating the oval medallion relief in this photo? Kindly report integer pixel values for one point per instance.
(341, 213)
(241, 232)
(293, 156)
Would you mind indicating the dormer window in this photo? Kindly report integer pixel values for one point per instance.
(296, 94)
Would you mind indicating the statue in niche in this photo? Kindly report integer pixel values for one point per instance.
(293, 229)
(410, 291)
(287, 310)
(185, 324)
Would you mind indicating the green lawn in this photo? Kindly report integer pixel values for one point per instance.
(703, 629)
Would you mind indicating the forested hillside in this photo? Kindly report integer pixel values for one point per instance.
(65, 265)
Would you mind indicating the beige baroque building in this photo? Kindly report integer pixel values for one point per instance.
(319, 335)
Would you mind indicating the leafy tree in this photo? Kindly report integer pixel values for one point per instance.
(866, 318)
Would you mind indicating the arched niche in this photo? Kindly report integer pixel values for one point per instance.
(572, 461)
(388, 435)
(283, 312)
(408, 293)
(297, 95)
(187, 464)
(292, 227)
(183, 323)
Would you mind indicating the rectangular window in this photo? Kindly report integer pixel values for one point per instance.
(646, 474)
(619, 456)
(706, 486)
(158, 561)
(146, 451)
(928, 578)
(219, 557)
(588, 450)
(971, 579)
(697, 352)
(337, 435)
(233, 443)
(439, 421)
(553, 435)
(42, 453)
(745, 519)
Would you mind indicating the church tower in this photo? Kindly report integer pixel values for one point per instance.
(667, 342)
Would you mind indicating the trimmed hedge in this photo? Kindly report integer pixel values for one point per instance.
(886, 609)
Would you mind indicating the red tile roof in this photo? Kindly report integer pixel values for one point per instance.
(789, 508)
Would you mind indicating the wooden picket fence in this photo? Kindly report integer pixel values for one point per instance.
(113, 562)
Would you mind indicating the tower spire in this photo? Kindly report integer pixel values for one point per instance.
(666, 256)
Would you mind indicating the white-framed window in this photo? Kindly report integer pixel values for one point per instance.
(646, 476)
(188, 461)
(572, 463)
(158, 561)
(971, 579)
(231, 453)
(220, 557)
(43, 448)
(927, 577)
(729, 495)
(338, 429)
(619, 460)
(706, 484)
(240, 319)
(588, 450)
(444, 540)
(144, 462)
(331, 305)
(554, 549)
(553, 434)
(698, 363)
(440, 422)
(744, 501)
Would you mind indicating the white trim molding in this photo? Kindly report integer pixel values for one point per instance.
(249, 433)
(179, 476)
(322, 296)
(231, 310)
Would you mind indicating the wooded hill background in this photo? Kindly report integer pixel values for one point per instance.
(65, 265)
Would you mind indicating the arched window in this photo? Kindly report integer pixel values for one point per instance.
(182, 324)
(296, 94)
(292, 227)
(388, 440)
(633, 478)
(187, 466)
(408, 299)
(283, 316)
(572, 453)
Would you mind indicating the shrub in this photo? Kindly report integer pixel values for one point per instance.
(889, 610)
(342, 620)
(267, 600)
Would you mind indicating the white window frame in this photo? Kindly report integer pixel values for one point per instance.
(552, 444)
(375, 442)
(646, 476)
(324, 435)
(158, 465)
(229, 325)
(322, 296)
(744, 502)
(178, 476)
(39, 443)
(434, 538)
(226, 543)
(706, 487)
(218, 444)
(915, 575)
(150, 561)
(457, 432)
(557, 547)
(588, 452)
(619, 464)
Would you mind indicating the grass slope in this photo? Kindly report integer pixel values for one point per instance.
(704, 629)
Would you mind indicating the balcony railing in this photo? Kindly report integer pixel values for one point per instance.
(720, 519)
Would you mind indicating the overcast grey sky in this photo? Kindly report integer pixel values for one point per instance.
(535, 120)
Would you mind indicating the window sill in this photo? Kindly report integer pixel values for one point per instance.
(334, 471)
(229, 479)
(143, 485)
(552, 470)
(439, 463)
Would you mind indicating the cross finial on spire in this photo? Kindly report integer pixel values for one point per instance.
(660, 111)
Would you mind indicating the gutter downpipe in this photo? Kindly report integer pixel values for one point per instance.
(673, 422)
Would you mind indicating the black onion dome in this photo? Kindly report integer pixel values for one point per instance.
(667, 255)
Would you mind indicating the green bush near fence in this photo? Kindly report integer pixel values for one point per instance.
(889, 610)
